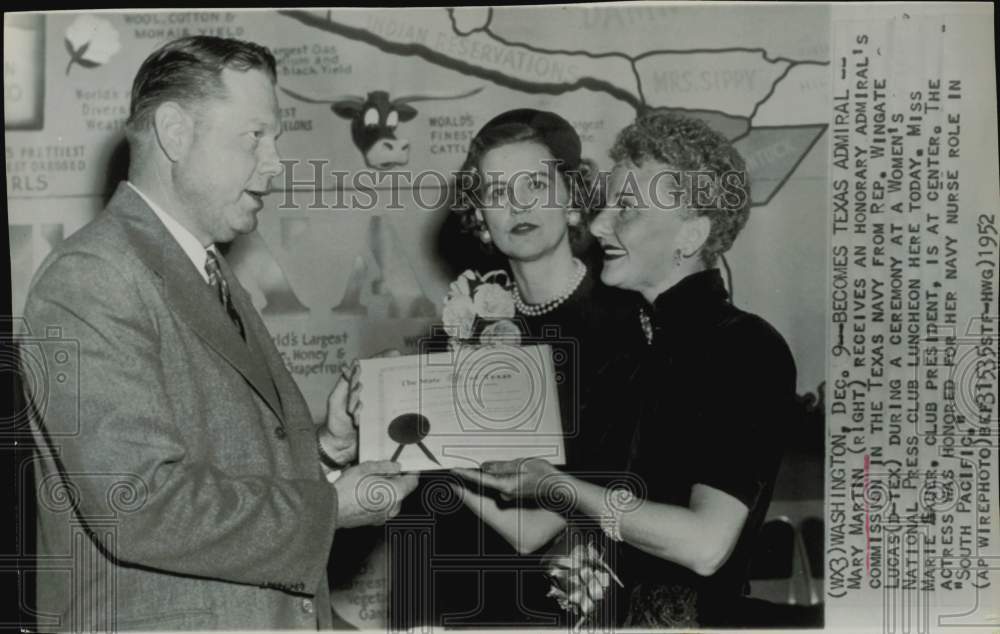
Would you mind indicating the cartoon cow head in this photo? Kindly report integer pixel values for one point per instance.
(373, 127)
(374, 119)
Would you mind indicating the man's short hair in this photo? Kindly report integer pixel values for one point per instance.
(189, 70)
(689, 145)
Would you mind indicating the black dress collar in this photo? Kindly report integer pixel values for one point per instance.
(694, 300)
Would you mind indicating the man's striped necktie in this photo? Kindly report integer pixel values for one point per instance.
(218, 282)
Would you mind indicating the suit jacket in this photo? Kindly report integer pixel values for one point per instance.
(177, 472)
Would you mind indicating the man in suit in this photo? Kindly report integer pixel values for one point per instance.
(180, 478)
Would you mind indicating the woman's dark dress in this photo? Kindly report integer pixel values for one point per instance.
(715, 392)
(485, 581)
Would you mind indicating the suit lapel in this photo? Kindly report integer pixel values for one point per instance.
(297, 414)
(187, 294)
(257, 336)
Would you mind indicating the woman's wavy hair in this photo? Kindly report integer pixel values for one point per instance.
(689, 145)
(559, 138)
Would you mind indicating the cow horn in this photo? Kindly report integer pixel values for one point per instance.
(430, 97)
(313, 100)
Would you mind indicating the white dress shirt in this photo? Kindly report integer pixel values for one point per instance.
(191, 246)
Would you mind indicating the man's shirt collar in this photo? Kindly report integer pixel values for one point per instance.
(191, 246)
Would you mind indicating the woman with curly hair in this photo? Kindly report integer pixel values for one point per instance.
(712, 393)
(526, 195)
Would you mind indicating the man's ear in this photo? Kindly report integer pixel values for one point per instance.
(174, 129)
(694, 235)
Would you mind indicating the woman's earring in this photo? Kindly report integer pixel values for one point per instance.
(573, 218)
(677, 257)
(484, 233)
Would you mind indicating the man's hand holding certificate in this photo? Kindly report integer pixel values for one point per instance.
(460, 408)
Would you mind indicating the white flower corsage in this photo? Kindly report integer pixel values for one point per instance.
(479, 309)
(580, 581)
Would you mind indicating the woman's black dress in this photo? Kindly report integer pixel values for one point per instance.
(477, 579)
(715, 391)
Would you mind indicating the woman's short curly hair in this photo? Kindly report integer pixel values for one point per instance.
(552, 132)
(689, 145)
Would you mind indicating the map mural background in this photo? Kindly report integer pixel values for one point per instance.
(333, 285)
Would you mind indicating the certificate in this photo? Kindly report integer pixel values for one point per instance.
(460, 408)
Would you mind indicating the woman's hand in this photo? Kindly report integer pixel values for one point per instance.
(522, 478)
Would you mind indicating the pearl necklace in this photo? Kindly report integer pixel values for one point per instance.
(534, 310)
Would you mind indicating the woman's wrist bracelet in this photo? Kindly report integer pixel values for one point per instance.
(611, 524)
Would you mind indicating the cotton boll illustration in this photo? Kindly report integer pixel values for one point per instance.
(91, 42)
